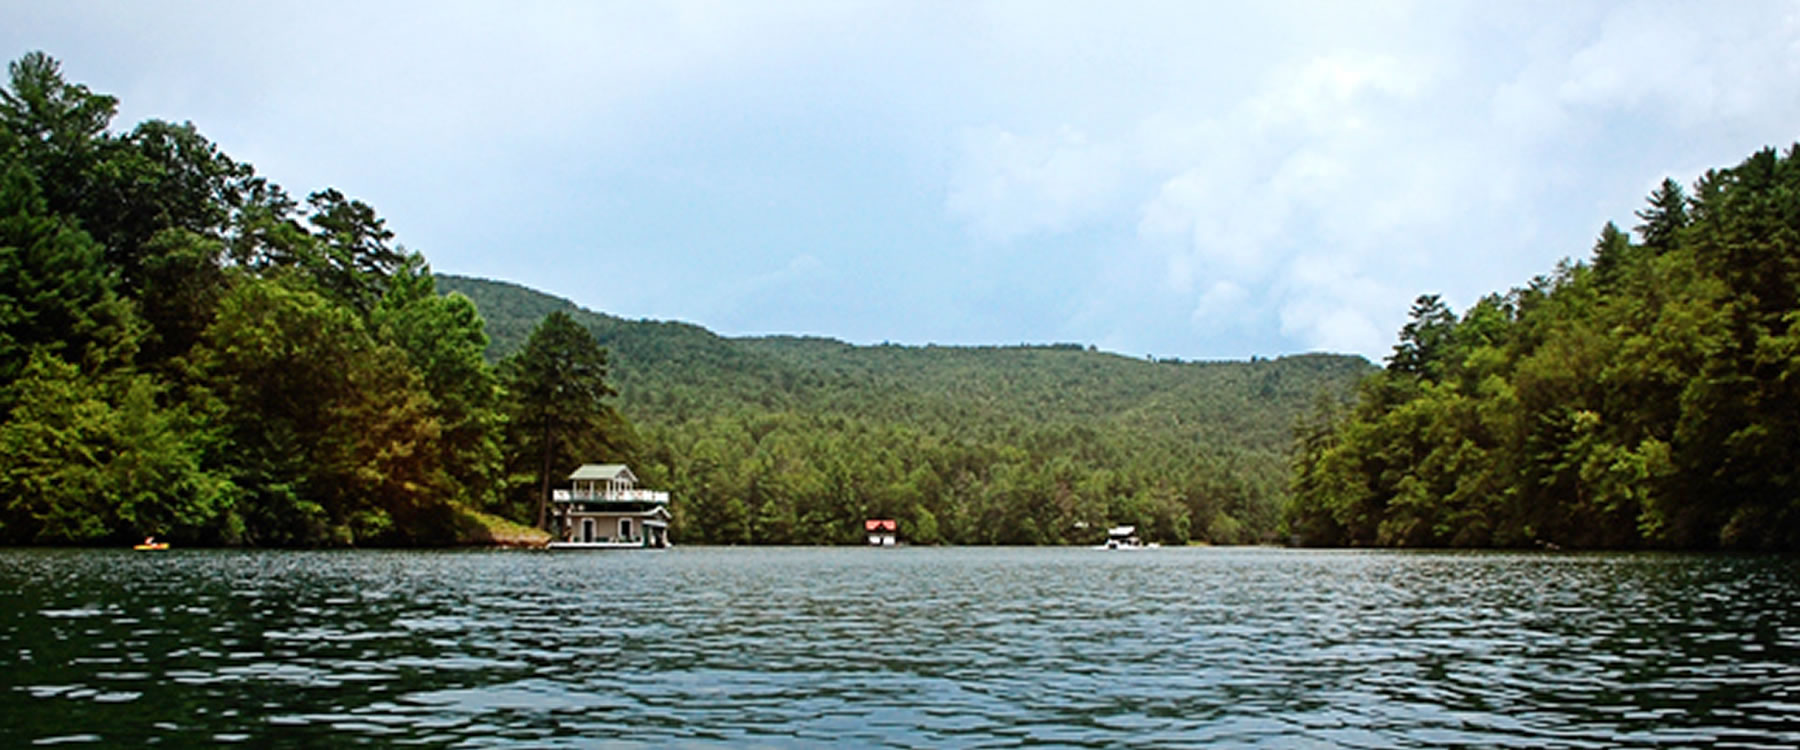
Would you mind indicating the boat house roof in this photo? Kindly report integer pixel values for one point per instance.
(880, 524)
(600, 472)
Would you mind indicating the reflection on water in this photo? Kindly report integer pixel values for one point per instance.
(906, 647)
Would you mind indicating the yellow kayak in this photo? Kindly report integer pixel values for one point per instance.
(151, 543)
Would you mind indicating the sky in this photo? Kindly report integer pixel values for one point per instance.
(1197, 180)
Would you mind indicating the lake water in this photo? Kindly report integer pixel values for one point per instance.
(903, 647)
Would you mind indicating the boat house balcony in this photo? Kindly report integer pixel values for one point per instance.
(606, 485)
(603, 495)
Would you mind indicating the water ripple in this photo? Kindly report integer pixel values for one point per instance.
(907, 647)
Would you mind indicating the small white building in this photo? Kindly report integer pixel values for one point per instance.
(1123, 537)
(604, 509)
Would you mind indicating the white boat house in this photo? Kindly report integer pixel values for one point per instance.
(604, 509)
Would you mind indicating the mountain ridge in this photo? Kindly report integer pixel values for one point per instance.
(1063, 430)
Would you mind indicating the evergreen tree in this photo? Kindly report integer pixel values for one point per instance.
(1647, 401)
(54, 127)
(1424, 340)
(55, 293)
(354, 258)
(1665, 217)
(556, 391)
(1612, 253)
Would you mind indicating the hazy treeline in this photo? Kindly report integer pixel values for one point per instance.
(1001, 455)
(1648, 397)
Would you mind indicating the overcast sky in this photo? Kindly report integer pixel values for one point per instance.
(1201, 180)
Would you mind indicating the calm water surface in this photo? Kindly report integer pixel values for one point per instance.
(903, 647)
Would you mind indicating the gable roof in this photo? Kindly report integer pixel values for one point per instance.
(602, 472)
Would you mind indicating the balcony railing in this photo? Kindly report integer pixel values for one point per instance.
(609, 496)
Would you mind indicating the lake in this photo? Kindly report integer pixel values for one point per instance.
(965, 647)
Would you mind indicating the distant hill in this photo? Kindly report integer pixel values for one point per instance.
(758, 432)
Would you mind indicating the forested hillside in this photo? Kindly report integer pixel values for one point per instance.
(784, 439)
(188, 351)
(1649, 397)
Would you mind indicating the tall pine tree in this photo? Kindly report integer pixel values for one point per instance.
(556, 395)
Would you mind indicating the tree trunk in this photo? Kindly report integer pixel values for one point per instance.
(544, 481)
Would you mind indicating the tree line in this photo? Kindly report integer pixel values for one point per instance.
(1648, 397)
(778, 440)
(188, 351)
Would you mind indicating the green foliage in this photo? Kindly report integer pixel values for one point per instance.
(56, 127)
(1647, 401)
(330, 431)
(1665, 217)
(90, 460)
(443, 339)
(55, 293)
(186, 352)
(1612, 254)
(351, 260)
(555, 401)
(1425, 340)
(798, 440)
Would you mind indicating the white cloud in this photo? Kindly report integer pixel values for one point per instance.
(1308, 164)
(1330, 304)
(1263, 176)
(1009, 185)
(1326, 94)
(1691, 61)
(1201, 216)
(1420, 160)
(1221, 303)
